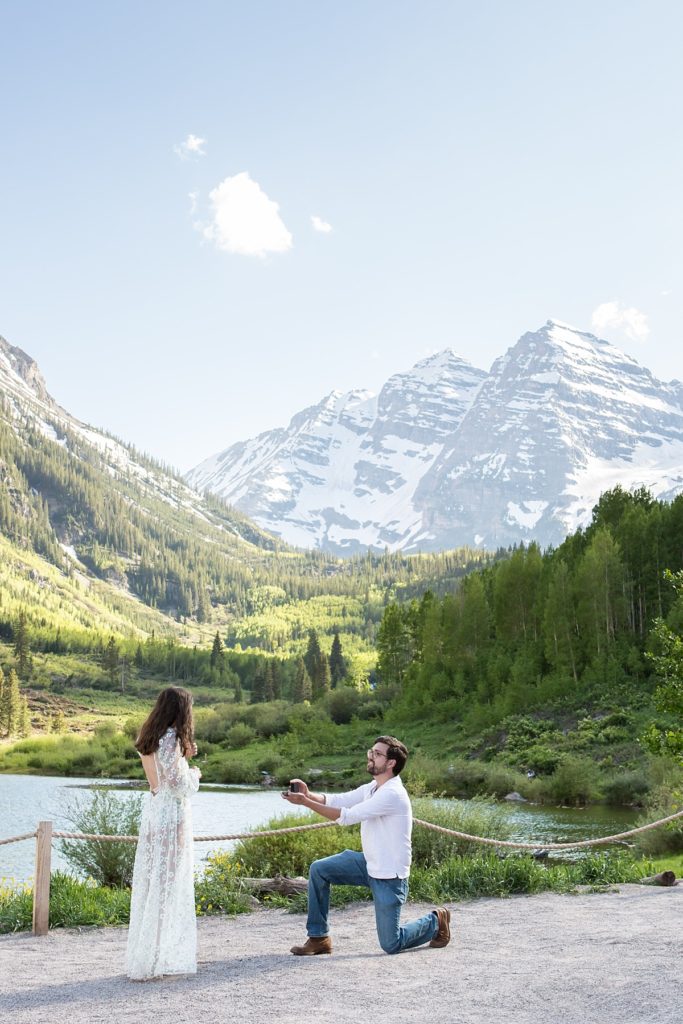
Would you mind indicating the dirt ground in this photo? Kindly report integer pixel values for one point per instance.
(582, 959)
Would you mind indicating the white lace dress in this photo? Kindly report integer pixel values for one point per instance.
(162, 936)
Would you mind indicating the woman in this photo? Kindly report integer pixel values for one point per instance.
(162, 936)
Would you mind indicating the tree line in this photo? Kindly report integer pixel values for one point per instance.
(573, 622)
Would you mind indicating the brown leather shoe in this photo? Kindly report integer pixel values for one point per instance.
(443, 936)
(313, 946)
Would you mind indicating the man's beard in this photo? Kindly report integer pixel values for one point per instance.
(372, 768)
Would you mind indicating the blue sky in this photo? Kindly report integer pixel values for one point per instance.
(474, 170)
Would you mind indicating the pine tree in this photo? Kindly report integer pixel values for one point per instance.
(321, 681)
(217, 652)
(238, 696)
(11, 704)
(312, 655)
(258, 687)
(110, 659)
(269, 689)
(22, 648)
(337, 661)
(276, 668)
(302, 689)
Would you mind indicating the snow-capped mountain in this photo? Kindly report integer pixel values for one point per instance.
(447, 455)
(342, 476)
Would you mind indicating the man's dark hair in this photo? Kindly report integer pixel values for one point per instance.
(397, 752)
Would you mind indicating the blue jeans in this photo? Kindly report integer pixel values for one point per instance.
(389, 895)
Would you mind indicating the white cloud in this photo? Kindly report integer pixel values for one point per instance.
(627, 319)
(321, 225)
(192, 146)
(193, 197)
(245, 220)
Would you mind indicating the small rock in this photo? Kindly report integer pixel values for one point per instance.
(517, 797)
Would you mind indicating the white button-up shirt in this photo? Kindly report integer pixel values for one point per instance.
(386, 823)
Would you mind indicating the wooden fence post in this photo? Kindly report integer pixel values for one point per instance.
(41, 883)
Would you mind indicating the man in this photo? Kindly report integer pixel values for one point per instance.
(383, 809)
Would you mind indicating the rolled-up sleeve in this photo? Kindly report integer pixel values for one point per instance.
(380, 804)
(350, 799)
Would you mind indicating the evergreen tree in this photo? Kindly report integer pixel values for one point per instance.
(217, 652)
(237, 696)
(110, 660)
(337, 661)
(11, 704)
(313, 653)
(22, 649)
(302, 689)
(258, 686)
(276, 666)
(269, 689)
(321, 680)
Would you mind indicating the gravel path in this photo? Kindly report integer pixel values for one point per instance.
(608, 958)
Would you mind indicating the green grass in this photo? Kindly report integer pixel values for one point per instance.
(674, 863)
(76, 903)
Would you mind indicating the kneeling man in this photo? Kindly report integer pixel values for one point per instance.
(383, 809)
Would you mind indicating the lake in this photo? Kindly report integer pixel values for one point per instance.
(27, 799)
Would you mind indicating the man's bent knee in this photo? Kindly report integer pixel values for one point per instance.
(391, 946)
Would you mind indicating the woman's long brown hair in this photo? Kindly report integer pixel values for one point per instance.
(173, 710)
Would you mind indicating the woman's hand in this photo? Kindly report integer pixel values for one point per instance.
(191, 750)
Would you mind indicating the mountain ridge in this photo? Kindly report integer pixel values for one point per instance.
(447, 455)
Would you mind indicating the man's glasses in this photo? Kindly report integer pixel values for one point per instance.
(373, 754)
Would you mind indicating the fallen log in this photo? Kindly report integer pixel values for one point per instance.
(281, 884)
(663, 878)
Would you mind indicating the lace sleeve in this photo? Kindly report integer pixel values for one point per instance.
(179, 777)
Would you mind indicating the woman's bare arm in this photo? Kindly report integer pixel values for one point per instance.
(150, 766)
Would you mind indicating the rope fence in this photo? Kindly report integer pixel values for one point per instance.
(44, 835)
(619, 837)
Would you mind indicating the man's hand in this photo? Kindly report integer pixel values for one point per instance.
(295, 798)
(300, 796)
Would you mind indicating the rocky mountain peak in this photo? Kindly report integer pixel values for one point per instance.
(447, 455)
(21, 371)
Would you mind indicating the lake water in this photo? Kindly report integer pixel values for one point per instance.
(27, 799)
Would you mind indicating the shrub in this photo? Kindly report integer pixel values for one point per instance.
(342, 704)
(109, 864)
(231, 772)
(292, 854)
(574, 782)
(667, 838)
(370, 709)
(268, 719)
(478, 818)
(626, 789)
(542, 759)
(240, 735)
(218, 891)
